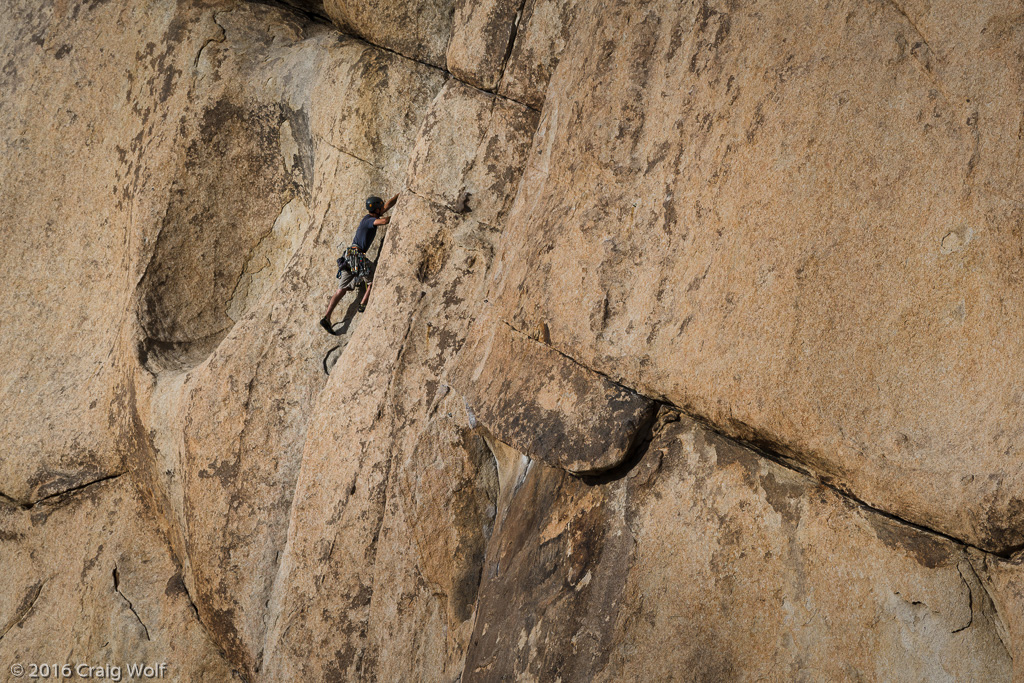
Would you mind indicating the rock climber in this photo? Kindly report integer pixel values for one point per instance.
(353, 267)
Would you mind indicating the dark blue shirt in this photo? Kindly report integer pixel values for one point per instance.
(365, 233)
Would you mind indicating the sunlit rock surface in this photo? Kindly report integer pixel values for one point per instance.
(693, 350)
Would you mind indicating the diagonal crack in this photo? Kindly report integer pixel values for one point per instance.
(131, 607)
(69, 491)
(206, 630)
(347, 153)
(309, 12)
(770, 450)
(28, 505)
(317, 19)
(12, 501)
(981, 577)
(23, 611)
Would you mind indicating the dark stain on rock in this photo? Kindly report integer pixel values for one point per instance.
(90, 563)
(224, 470)
(433, 258)
(588, 430)
(710, 29)
(928, 550)
(49, 484)
(25, 607)
(698, 280)
(729, 454)
(213, 221)
(1002, 530)
(221, 624)
(556, 569)
(756, 122)
(298, 120)
(175, 586)
(784, 497)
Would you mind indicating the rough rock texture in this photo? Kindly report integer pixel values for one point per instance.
(470, 152)
(704, 540)
(1004, 580)
(546, 406)
(788, 232)
(816, 252)
(417, 30)
(89, 581)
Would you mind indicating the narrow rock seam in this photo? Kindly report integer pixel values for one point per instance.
(764, 450)
(117, 589)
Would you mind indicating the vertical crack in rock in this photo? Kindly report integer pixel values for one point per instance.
(970, 599)
(1001, 625)
(131, 607)
(209, 634)
(513, 34)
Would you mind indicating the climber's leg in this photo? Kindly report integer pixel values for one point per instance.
(371, 269)
(325, 322)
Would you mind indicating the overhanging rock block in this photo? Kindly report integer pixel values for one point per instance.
(546, 405)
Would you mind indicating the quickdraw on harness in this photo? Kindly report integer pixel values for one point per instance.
(355, 262)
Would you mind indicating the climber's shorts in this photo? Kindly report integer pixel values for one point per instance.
(349, 280)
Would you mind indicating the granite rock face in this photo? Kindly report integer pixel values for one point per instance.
(692, 350)
(704, 540)
(546, 406)
(89, 581)
(814, 253)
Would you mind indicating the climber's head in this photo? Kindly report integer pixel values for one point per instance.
(375, 205)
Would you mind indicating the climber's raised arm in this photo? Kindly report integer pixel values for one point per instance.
(384, 220)
(354, 269)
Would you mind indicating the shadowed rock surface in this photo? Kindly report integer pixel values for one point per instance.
(692, 353)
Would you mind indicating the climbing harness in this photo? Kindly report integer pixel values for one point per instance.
(355, 262)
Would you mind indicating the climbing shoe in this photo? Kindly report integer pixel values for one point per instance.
(326, 324)
(362, 307)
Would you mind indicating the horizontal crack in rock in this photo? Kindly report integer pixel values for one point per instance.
(765, 450)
